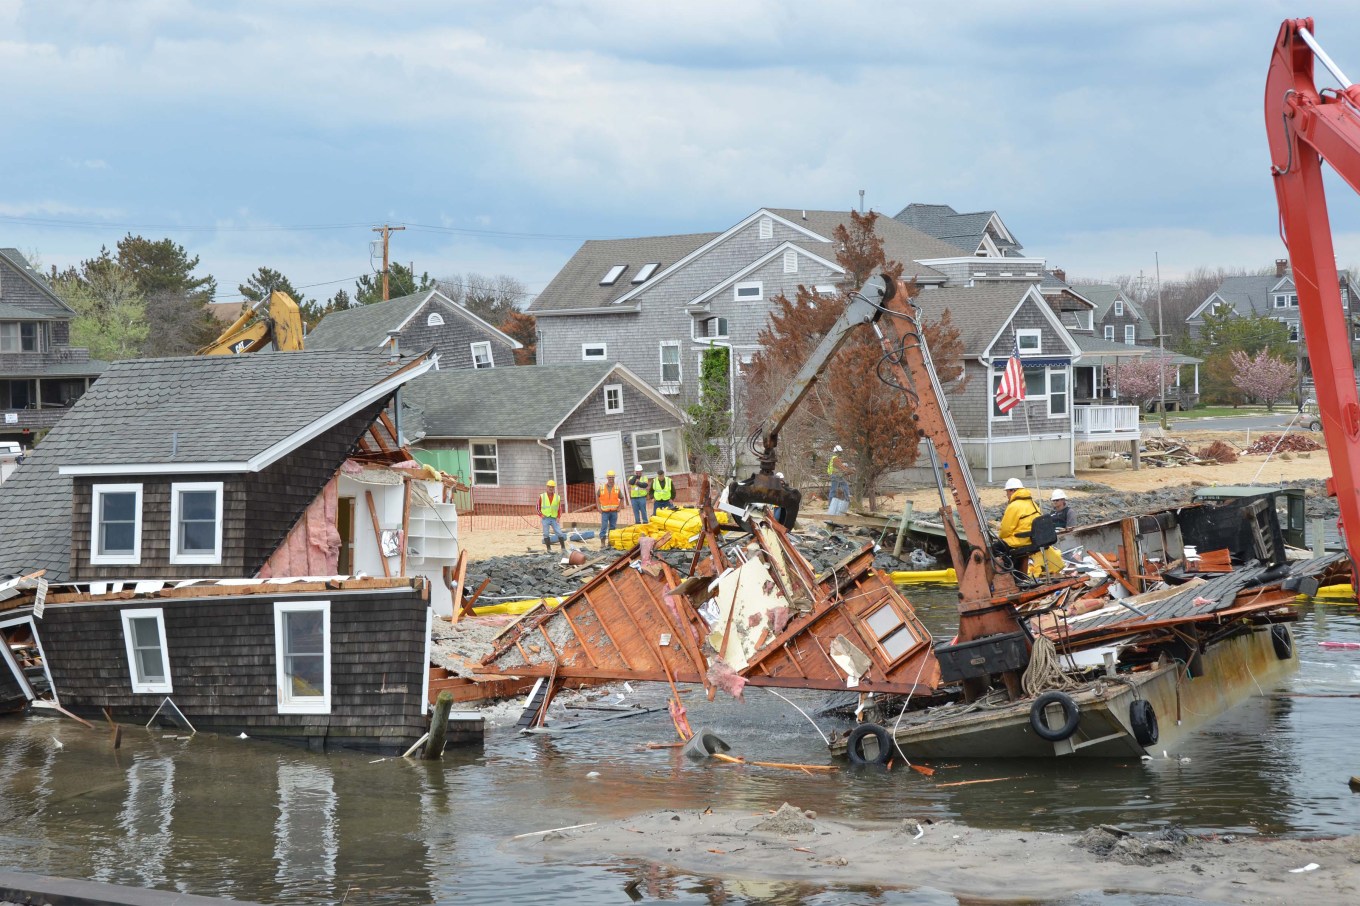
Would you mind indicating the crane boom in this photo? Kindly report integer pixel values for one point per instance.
(1306, 126)
(280, 324)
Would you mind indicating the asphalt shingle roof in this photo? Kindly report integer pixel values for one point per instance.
(222, 409)
(363, 326)
(901, 242)
(965, 231)
(526, 401)
(50, 301)
(577, 284)
(978, 311)
(1249, 295)
(1104, 296)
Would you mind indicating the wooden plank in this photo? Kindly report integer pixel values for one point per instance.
(405, 521)
(1131, 558)
(461, 608)
(377, 531)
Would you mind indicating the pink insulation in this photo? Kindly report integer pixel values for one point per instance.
(312, 547)
(725, 678)
(778, 617)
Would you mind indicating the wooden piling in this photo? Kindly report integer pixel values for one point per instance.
(439, 727)
(902, 529)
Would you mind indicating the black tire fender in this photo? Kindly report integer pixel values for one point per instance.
(1071, 715)
(1143, 720)
(1282, 640)
(854, 744)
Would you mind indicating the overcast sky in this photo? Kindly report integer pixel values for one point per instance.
(504, 134)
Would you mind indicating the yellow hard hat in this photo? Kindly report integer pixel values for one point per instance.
(551, 483)
(609, 474)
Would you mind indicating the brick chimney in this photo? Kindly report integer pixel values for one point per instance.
(1281, 266)
(1060, 274)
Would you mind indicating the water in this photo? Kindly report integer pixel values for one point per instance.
(230, 817)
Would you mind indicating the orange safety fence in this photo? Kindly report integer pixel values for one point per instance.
(511, 507)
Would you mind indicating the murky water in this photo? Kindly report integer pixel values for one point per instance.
(252, 820)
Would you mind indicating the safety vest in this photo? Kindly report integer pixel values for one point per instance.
(548, 506)
(637, 486)
(609, 499)
(831, 466)
(662, 491)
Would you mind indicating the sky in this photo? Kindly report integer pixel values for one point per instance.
(1106, 135)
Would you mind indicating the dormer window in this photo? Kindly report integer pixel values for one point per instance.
(614, 274)
(196, 522)
(646, 272)
(116, 525)
(1287, 300)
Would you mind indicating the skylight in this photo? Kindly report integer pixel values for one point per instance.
(614, 274)
(646, 272)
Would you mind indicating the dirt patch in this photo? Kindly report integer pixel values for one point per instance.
(787, 820)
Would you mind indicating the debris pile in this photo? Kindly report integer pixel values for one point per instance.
(1117, 845)
(1166, 451)
(1288, 443)
(1218, 451)
(788, 820)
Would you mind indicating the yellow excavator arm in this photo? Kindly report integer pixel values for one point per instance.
(255, 329)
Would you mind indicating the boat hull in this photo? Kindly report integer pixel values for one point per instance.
(1229, 671)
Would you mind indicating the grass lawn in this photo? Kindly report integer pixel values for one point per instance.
(1220, 411)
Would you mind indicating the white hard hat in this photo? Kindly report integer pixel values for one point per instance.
(779, 475)
(1059, 494)
(637, 467)
(836, 449)
(1014, 484)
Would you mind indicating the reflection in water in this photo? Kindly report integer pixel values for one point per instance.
(228, 817)
(304, 835)
(144, 836)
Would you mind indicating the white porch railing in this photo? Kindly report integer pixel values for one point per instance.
(1105, 422)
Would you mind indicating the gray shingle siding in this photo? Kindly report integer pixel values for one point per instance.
(27, 290)
(639, 414)
(453, 339)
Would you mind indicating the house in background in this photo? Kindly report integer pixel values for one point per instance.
(41, 373)
(420, 321)
(979, 233)
(656, 304)
(173, 510)
(507, 431)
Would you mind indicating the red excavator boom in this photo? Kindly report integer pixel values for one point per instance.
(1306, 126)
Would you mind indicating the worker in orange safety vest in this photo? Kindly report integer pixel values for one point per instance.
(609, 498)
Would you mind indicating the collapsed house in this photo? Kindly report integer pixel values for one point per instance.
(242, 535)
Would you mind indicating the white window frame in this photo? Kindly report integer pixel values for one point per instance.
(702, 324)
(991, 400)
(473, 457)
(675, 449)
(617, 390)
(1293, 329)
(1119, 308)
(484, 345)
(588, 356)
(1030, 333)
(1130, 335)
(757, 296)
(823, 289)
(434, 319)
(158, 615)
(1109, 332)
(198, 557)
(790, 261)
(121, 558)
(661, 363)
(310, 704)
(1066, 392)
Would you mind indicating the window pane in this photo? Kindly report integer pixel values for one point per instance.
(145, 632)
(304, 653)
(897, 644)
(198, 536)
(674, 450)
(198, 505)
(1035, 383)
(303, 632)
(306, 675)
(117, 537)
(883, 621)
(150, 665)
(121, 507)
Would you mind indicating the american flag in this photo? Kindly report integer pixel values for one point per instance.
(1011, 390)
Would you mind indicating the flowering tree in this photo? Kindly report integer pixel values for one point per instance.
(1141, 379)
(1263, 377)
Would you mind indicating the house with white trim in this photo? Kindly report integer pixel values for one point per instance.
(978, 233)
(418, 322)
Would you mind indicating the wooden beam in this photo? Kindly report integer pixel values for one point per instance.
(405, 521)
(377, 532)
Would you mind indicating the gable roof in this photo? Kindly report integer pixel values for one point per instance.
(366, 326)
(1249, 295)
(983, 311)
(577, 288)
(532, 400)
(968, 231)
(158, 416)
(48, 299)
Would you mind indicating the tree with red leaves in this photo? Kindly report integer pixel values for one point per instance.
(524, 328)
(1263, 377)
(850, 405)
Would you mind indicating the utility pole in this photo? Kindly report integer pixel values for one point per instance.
(1161, 340)
(387, 232)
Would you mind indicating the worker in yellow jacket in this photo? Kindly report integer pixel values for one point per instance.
(1016, 522)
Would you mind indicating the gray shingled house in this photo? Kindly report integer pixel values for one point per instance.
(993, 317)
(41, 373)
(979, 233)
(505, 432)
(174, 471)
(655, 304)
(421, 321)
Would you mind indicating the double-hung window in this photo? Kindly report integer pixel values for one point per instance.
(1109, 332)
(1119, 308)
(485, 463)
(116, 525)
(481, 355)
(1057, 392)
(196, 522)
(302, 651)
(1129, 334)
(613, 399)
(148, 654)
(670, 362)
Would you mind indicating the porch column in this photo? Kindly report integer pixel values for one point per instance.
(1197, 379)
(37, 393)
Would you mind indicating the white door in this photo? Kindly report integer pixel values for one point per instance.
(606, 454)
